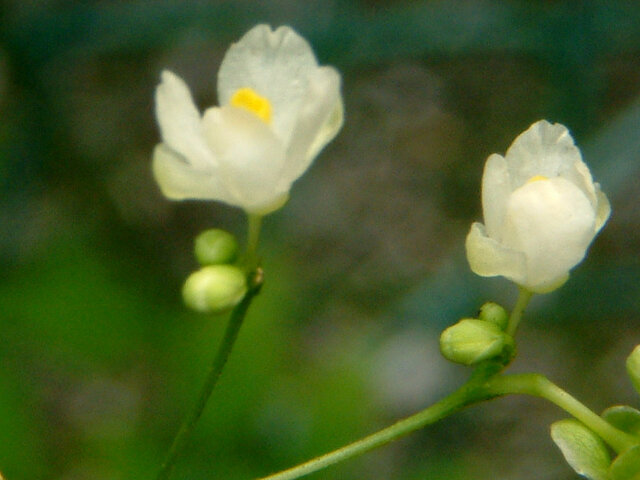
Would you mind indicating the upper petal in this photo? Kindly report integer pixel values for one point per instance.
(544, 149)
(277, 65)
(489, 258)
(496, 188)
(179, 121)
(552, 222)
(319, 119)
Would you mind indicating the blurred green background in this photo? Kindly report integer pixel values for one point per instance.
(99, 360)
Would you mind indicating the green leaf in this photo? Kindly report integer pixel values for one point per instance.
(582, 449)
(624, 418)
(633, 367)
(627, 465)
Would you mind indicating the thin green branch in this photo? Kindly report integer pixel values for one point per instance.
(215, 370)
(539, 386)
(485, 384)
(467, 394)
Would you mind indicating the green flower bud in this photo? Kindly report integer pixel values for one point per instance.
(633, 367)
(214, 247)
(471, 341)
(624, 418)
(627, 465)
(215, 288)
(582, 448)
(494, 313)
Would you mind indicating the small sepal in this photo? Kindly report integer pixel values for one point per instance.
(215, 247)
(494, 313)
(633, 367)
(215, 288)
(583, 450)
(627, 465)
(471, 341)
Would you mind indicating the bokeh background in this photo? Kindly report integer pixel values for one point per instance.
(365, 266)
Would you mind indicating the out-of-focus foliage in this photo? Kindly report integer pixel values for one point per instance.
(364, 266)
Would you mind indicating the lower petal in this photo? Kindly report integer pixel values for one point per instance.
(178, 180)
(250, 157)
(488, 258)
(552, 222)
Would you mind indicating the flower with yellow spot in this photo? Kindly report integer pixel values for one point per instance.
(278, 109)
(541, 211)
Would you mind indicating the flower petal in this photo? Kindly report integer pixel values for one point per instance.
(250, 156)
(488, 258)
(604, 208)
(276, 64)
(179, 121)
(543, 149)
(179, 180)
(496, 188)
(319, 120)
(580, 175)
(553, 223)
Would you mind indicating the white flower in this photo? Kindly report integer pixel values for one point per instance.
(541, 211)
(278, 109)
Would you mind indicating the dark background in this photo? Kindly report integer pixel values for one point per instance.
(365, 266)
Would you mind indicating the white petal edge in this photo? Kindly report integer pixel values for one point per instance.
(604, 208)
(496, 188)
(179, 121)
(581, 176)
(320, 118)
(180, 181)
(488, 258)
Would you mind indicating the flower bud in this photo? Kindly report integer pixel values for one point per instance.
(214, 288)
(471, 341)
(214, 246)
(582, 448)
(494, 313)
(633, 367)
(627, 465)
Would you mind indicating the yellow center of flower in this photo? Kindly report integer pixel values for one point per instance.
(248, 99)
(537, 178)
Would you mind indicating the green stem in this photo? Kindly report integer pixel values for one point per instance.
(524, 296)
(231, 334)
(467, 394)
(253, 234)
(485, 384)
(539, 386)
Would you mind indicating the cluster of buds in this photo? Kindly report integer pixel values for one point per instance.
(219, 285)
(473, 340)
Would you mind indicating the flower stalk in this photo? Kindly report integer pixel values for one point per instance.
(231, 334)
(485, 384)
(465, 395)
(254, 223)
(539, 386)
(524, 296)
